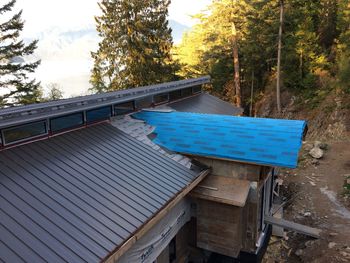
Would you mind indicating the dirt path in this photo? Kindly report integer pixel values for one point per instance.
(316, 198)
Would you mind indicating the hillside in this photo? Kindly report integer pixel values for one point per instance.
(327, 114)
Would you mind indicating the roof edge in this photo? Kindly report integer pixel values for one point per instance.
(114, 255)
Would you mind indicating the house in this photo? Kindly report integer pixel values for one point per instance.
(163, 173)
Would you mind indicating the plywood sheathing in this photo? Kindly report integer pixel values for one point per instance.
(219, 227)
(238, 170)
(223, 189)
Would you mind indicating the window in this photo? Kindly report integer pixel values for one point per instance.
(175, 95)
(196, 89)
(144, 102)
(186, 92)
(23, 132)
(98, 114)
(124, 108)
(172, 250)
(161, 98)
(66, 122)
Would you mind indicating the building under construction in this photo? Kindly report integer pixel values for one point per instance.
(164, 173)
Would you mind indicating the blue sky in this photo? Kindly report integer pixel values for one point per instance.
(65, 57)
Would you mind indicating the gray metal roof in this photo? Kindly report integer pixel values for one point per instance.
(141, 131)
(205, 103)
(77, 196)
(28, 113)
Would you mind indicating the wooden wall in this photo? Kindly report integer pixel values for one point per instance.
(250, 172)
(227, 230)
(219, 227)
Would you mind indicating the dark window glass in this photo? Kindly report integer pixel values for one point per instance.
(161, 98)
(144, 102)
(172, 250)
(186, 92)
(124, 108)
(175, 95)
(66, 122)
(98, 114)
(24, 131)
(196, 89)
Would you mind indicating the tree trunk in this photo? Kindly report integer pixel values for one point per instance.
(238, 97)
(278, 86)
(251, 96)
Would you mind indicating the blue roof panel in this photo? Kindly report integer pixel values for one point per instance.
(272, 142)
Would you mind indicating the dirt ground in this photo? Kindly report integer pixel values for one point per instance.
(315, 197)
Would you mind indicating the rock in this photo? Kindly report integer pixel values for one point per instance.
(315, 161)
(308, 146)
(321, 145)
(344, 254)
(309, 243)
(317, 144)
(331, 245)
(316, 153)
(307, 214)
(333, 234)
(299, 252)
(312, 183)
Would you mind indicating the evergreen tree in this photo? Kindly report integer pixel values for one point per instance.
(15, 85)
(343, 46)
(136, 45)
(213, 47)
(54, 92)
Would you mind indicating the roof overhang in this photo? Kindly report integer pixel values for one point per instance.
(119, 251)
(40, 111)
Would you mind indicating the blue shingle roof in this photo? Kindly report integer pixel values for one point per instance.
(271, 142)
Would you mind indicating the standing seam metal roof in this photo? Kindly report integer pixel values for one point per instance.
(204, 103)
(78, 196)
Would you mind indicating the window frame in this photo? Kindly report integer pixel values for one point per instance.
(197, 92)
(4, 143)
(127, 112)
(83, 119)
(163, 101)
(188, 95)
(177, 98)
(146, 100)
(100, 119)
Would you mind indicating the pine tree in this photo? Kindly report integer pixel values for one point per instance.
(15, 85)
(136, 45)
(213, 47)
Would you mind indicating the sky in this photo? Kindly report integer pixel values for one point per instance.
(66, 61)
(76, 14)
